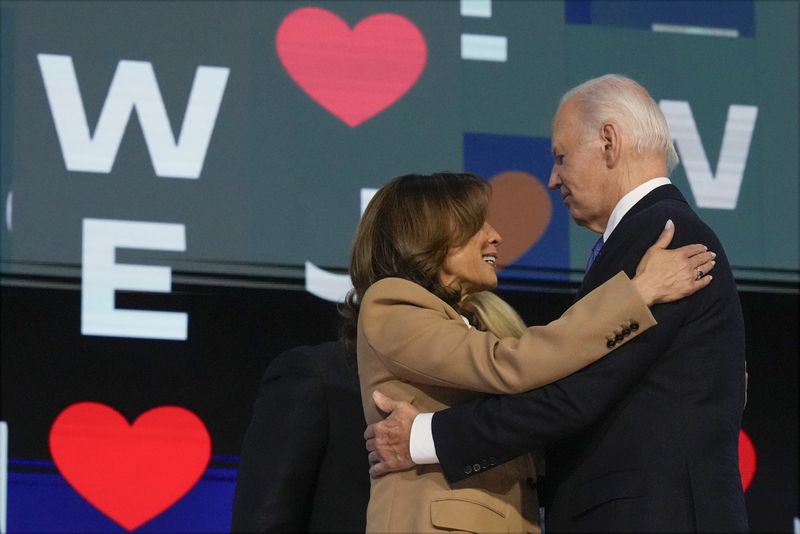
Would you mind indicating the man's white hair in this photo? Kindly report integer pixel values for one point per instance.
(622, 100)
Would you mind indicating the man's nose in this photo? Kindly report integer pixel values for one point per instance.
(554, 182)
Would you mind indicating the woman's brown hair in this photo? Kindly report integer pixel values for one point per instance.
(406, 232)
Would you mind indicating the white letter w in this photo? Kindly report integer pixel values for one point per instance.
(134, 86)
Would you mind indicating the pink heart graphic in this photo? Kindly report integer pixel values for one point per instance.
(354, 74)
(131, 473)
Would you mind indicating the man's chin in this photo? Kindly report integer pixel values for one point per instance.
(576, 216)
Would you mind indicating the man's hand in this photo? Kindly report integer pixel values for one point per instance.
(388, 440)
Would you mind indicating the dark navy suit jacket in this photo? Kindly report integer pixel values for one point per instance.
(303, 465)
(645, 439)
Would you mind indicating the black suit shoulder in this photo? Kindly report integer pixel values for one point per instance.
(640, 228)
(298, 470)
(325, 363)
(645, 221)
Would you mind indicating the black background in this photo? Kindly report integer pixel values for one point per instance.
(234, 332)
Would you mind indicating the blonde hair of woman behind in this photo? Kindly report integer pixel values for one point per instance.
(488, 312)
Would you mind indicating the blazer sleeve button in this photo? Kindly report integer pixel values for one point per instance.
(634, 326)
(610, 344)
(626, 331)
(619, 337)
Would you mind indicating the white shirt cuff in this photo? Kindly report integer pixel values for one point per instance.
(423, 450)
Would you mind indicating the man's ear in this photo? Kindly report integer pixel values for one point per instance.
(612, 144)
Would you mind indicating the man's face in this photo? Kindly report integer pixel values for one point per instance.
(579, 169)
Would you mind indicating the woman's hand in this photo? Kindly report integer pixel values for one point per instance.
(667, 275)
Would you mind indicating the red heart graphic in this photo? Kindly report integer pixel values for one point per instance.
(131, 473)
(353, 74)
(747, 459)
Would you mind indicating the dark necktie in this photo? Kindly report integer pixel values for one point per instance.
(595, 252)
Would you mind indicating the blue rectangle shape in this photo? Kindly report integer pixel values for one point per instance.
(491, 156)
(578, 11)
(44, 502)
(736, 15)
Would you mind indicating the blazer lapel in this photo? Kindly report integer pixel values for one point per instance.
(600, 270)
(664, 192)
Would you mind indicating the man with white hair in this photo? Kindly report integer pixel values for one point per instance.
(646, 439)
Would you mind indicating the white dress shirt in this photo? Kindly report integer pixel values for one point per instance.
(423, 449)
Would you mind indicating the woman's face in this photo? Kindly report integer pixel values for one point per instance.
(471, 267)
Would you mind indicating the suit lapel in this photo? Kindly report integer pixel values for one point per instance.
(664, 192)
(601, 271)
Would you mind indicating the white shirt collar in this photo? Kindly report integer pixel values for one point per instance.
(628, 201)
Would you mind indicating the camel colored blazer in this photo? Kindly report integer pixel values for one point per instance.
(414, 347)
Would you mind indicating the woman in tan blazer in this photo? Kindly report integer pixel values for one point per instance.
(422, 245)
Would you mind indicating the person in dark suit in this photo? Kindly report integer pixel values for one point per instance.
(644, 440)
(299, 469)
